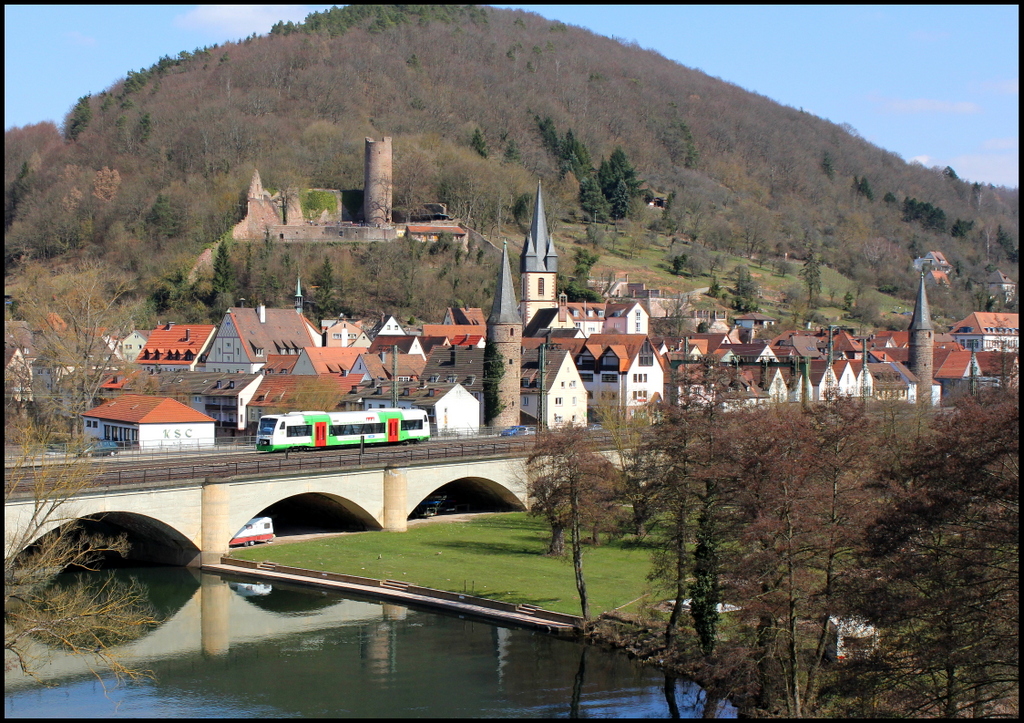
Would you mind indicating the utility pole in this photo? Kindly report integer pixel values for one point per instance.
(864, 369)
(542, 407)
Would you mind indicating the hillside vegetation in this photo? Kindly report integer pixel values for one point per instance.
(480, 102)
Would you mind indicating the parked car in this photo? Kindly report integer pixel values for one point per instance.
(518, 430)
(100, 448)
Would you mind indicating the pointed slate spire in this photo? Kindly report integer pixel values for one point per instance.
(505, 309)
(539, 252)
(922, 318)
(298, 294)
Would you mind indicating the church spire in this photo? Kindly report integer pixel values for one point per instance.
(922, 318)
(539, 252)
(505, 308)
(298, 294)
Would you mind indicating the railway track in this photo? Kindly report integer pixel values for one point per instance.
(112, 472)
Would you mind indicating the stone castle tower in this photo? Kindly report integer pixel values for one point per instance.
(377, 186)
(538, 264)
(505, 333)
(922, 345)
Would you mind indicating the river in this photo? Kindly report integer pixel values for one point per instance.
(230, 647)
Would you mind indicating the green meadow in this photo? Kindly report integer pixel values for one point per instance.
(498, 556)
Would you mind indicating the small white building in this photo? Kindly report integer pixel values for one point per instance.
(451, 408)
(149, 423)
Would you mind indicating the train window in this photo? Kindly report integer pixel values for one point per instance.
(408, 424)
(300, 430)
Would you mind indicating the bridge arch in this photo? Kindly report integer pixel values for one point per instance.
(150, 539)
(503, 486)
(314, 511)
(468, 494)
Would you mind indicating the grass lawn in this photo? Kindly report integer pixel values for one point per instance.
(499, 556)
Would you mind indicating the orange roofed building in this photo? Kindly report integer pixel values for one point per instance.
(149, 423)
(175, 347)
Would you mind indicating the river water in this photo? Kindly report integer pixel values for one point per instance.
(231, 647)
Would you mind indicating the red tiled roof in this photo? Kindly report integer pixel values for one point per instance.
(453, 230)
(141, 409)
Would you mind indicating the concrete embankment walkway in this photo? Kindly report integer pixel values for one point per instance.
(397, 591)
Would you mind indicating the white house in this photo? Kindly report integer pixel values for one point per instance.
(988, 331)
(150, 423)
(452, 410)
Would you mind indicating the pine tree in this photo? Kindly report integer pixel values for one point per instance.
(478, 143)
(80, 117)
(512, 152)
(223, 272)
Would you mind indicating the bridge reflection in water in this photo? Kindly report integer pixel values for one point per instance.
(230, 646)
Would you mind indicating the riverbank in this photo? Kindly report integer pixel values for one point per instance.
(497, 556)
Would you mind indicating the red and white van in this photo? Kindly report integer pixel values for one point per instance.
(258, 529)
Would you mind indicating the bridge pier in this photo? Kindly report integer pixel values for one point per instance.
(215, 517)
(396, 494)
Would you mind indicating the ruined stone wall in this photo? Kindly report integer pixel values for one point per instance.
(333, 232)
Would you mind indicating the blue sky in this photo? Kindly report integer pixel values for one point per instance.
(938, 84)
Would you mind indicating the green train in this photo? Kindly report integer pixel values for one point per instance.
(315, 430)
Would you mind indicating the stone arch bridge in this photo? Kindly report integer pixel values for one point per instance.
(189, 522)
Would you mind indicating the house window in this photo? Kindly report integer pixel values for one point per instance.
(540, 288)
(572, 384)
(639, 378)
(646, 356)
(587, 377)
(609, 378)
(638, 322)
(558, 401)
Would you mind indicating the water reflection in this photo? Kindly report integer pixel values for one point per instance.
(238, 647)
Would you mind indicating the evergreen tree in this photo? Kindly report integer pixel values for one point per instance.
(80, 117)
(162, 219)
(828, 166)
(620, 199)
(592, 201)
(323, 294)
(223, 272)
(512, 152)
(478, 143)
(145, 127)
(811, 274)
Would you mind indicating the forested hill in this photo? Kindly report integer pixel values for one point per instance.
(480, 103)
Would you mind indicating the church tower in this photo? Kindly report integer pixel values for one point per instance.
(538, 265)
(922, 345)
(504, 347)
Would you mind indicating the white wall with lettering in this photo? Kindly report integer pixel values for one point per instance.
(191, 434)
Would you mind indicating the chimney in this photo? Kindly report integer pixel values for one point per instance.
(170, 325)
(453, 355)
(261, 310)
(188, 333)
(383, 356)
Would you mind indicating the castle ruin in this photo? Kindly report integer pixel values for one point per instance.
(279, 216)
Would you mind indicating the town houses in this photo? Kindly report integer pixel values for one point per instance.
(565, 362)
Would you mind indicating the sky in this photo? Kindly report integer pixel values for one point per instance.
(933, 84)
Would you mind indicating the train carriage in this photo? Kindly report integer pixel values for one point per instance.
(314, 430)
